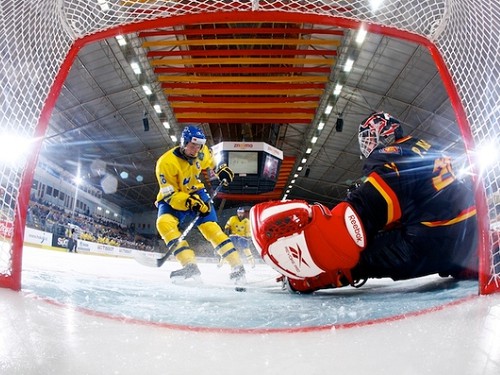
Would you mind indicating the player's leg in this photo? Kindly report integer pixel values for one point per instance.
(243, 244)
(248, 252)
(249, 256)
(224, 247)
(168, 227)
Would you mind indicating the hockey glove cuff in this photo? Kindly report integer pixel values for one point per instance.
(224, 174)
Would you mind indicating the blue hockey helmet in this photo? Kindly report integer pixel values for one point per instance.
(192, 134)
(379, 129)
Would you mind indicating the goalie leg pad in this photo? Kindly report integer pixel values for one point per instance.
(300, 241)
(337, 236)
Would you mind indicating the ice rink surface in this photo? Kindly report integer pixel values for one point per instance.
(81, 314)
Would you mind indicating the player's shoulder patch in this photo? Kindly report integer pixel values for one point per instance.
(391, 150)
(201, 155)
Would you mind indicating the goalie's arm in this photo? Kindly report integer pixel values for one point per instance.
(377, 201)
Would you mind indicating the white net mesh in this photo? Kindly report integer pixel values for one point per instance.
(37, 37)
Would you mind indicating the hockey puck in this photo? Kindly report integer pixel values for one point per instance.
(240, 289)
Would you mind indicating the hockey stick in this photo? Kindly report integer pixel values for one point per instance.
(158, 262)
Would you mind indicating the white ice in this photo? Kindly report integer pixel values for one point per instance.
(82, 314)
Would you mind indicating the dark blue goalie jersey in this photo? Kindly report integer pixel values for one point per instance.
(419, 218)
(410, 183)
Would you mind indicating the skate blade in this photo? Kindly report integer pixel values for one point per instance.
(193, 280)
(242, 281)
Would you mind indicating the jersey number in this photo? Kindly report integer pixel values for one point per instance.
(444, 171)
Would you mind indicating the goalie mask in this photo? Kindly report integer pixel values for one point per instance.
(378, 130)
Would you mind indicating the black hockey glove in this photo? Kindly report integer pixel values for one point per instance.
(224, 174)
(195, 203)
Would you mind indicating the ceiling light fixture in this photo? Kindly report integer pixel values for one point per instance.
(135, 67)
(147, 89)
(338, 88)
(348, 65)
(361, 35)
(121, 40)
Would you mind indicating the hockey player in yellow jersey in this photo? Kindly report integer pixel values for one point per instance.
(238, 229)
(182, 195)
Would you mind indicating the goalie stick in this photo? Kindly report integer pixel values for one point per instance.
(258, 286)
(158, 262)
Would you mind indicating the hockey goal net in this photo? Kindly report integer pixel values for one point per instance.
(40, 40)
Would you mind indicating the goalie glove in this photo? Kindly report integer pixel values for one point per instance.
(224, 174)
(195, 203)
(301, 240)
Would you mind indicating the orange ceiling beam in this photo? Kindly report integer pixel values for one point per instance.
(240, 79)
(261, 109)
(260, 120)
(241, 30)
(306, 92)
(242, 70)
(249, 99)
(244, 86)
(218, 105)
(243, 52)
(242, 60)
(245, 115)
(242, 41)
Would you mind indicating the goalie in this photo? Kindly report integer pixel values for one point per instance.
(411, 217)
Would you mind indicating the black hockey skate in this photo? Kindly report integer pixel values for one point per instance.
(189, 271)
(237, 275)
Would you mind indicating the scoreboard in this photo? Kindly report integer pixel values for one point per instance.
(255, 165)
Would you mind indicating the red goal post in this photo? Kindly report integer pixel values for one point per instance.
(41, 40)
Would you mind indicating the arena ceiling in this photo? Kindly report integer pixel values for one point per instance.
(256, 82)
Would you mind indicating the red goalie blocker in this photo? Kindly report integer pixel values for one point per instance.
(301, 240)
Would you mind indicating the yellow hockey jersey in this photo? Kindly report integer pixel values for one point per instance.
(238, 227)
(178, 176)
